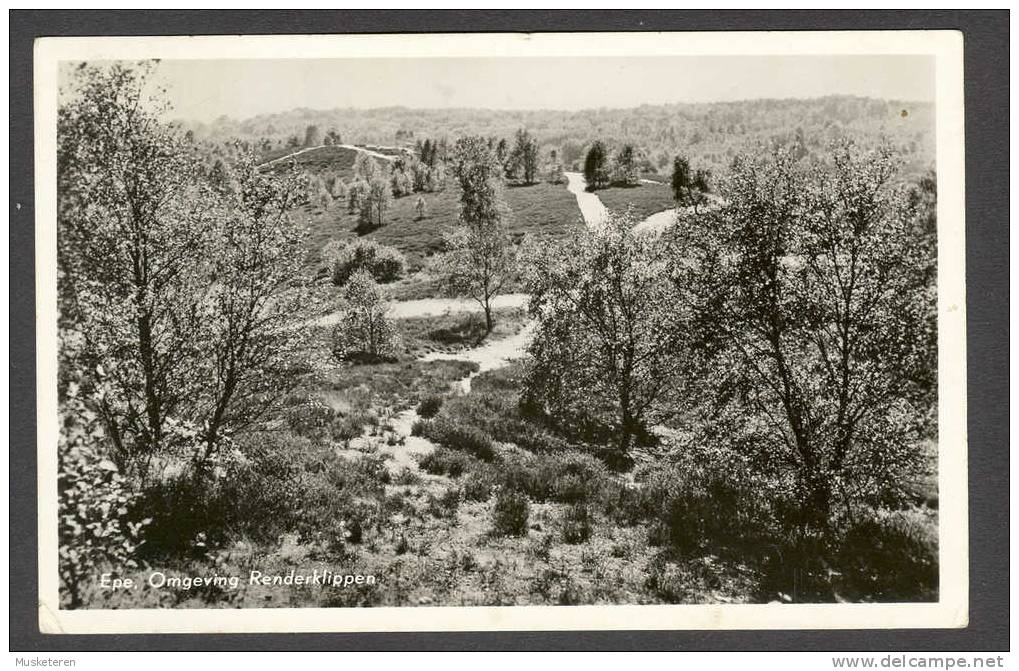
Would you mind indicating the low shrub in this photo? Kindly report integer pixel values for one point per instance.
(385, 264)
(446, 504)
(891, 556)
(576, 524)
(444, 461)
(699, 503)
(458, 436)
(430, 406)
(257, 495)
(570, 477)
(667, 580)
(479, 483)
(510, 513)
(407, 477)
(557, 586)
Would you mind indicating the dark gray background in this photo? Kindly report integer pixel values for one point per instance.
(986, 100)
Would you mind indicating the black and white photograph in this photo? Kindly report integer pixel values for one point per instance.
(465, 325)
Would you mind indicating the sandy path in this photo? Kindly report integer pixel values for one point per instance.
(488, 356)
(590, 204)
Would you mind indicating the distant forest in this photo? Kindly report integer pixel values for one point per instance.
(710, 134)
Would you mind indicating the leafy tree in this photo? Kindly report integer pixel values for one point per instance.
(400, 183)
(610, 323)
(923, 202)
(177, 289)
(366, 168)
(312, 136)
(479, 259)
(364, 328)
(815, 329)
(376, 202)
(625, 169)
(688, 186)
(596, 172)
(525, 155)
(357, 194)
(333, 137)
(428, 153)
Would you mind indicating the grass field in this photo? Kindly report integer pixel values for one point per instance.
(647, 199)
(539, 210)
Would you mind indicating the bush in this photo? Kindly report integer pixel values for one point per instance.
(430, 406)
(891, 556)
(446, 504)
(459, 436)
(557, 586)
(385, 264)
(444, 461)
(340, 506)
(510, 513)
(257, 494)
(95, 506)
(479, 483)
(700, 502)
(572, 477)
(576, 524)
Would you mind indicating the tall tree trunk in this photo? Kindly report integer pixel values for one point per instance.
(489, 321)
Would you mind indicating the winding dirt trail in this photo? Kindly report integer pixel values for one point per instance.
(490, 355)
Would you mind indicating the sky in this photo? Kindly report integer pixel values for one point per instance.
(203, 90)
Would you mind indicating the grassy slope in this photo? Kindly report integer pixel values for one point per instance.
(335, 160)
(540, 209)
(646, 199)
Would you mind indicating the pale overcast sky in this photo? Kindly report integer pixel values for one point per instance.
(204, 90)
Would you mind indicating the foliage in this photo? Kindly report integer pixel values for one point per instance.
(689, 186)
(510, 513)
(814, 327)
(446, 461)
(312, 136)
(596, 172)
(890, 556)
(624, 170)
(96, 503)
(364, 327)
(179, 284)
(459, 436)
(430, 406)
(479, 258)
(525, 156)
(576, 523)
(375, 202)
(610, 322)
(385, 264)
